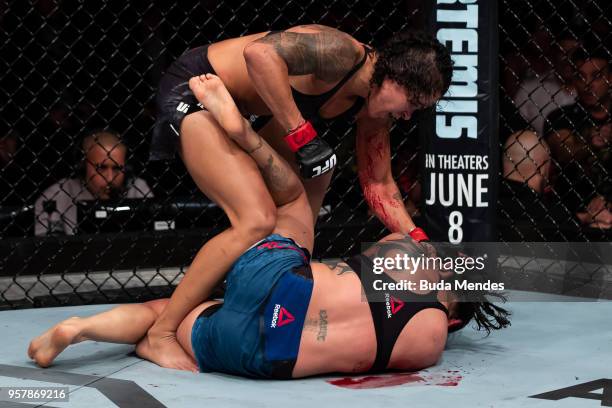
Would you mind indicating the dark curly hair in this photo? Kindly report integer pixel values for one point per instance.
(486, 314)
(417, 61)
(477, 305)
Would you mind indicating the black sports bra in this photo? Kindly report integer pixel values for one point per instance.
(391, 315)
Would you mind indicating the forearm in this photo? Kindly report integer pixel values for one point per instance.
(385, 200)
(375, 176)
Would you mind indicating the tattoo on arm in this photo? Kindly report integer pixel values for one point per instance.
(328, 54)
(322, 325)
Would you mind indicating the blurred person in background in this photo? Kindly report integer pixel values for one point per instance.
(579, 136)
(539, 95)
(103, 177)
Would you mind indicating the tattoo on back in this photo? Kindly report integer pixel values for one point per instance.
(328, 54)
(322, 325)
(338, 267)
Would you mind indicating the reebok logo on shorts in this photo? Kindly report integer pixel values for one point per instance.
(393, 305)
(281, 317)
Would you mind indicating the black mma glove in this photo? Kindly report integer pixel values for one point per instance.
(314, 156)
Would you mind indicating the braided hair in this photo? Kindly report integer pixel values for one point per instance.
(416, 61)
(486, 314)
(476, 305)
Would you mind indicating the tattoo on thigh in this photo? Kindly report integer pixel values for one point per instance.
(322, 325)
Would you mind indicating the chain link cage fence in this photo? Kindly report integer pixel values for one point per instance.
(70, 68)
(555, 121)
(555, 136)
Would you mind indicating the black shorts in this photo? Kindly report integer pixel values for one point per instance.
(175, 100)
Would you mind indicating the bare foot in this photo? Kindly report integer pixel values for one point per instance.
(46, 347)
(164, 350)
(212, 93)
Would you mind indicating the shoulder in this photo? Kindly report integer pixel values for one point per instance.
(422, 342)
(62, 192)
(330, 40)
(138, 182)
(63, 186)
(138, 187)
(319, 29)
(433, 337)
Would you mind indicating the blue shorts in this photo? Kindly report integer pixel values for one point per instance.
(257, 330)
